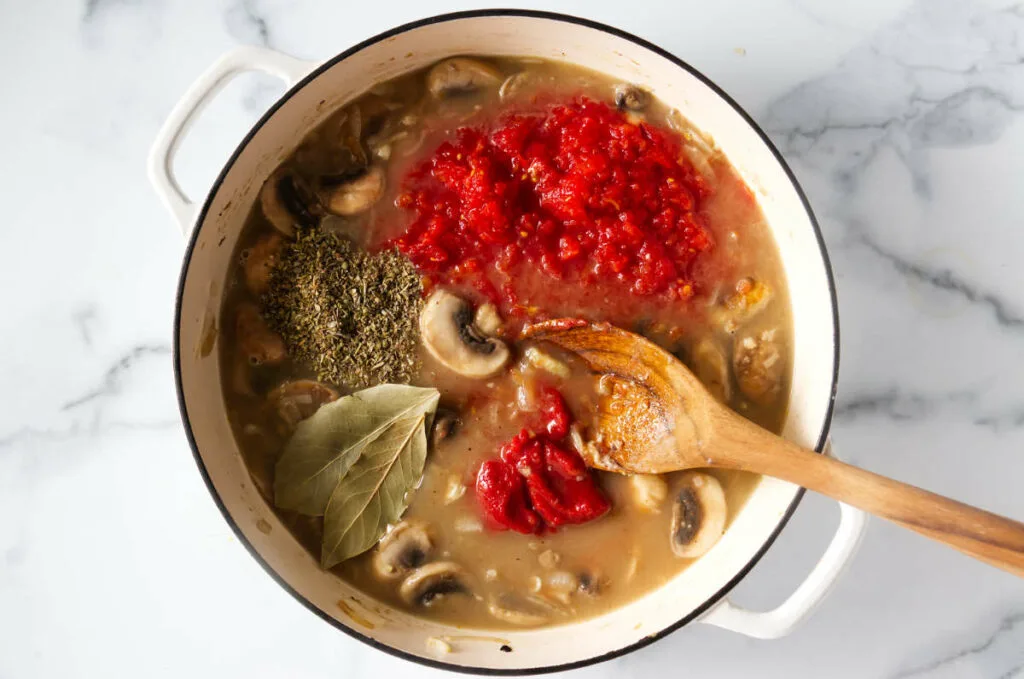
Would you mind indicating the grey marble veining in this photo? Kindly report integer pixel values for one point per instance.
(904, 122)
(998, 653)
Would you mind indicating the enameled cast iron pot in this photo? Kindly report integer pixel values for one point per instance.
(213, 226)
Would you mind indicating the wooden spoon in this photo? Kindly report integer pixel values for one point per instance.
(655, 416)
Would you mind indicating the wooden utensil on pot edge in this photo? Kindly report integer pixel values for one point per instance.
(656, 417)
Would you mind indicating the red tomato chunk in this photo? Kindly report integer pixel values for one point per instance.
(502, 496)
(579, 192)
(538, 483)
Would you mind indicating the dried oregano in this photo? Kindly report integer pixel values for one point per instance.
(350, 315)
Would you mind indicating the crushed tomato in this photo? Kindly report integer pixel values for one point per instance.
(538, 483)
(578, 192)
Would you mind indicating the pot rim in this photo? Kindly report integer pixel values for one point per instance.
(201, 216)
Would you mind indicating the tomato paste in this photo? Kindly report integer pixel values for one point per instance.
(538, 482)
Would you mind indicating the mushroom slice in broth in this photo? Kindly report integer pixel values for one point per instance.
(357, 195)
(759, 363)
(256, 341)
(259, 261)
(406, 547)
(295, 400)
(446, 423)
(288, 202)
(450, 335)
(699, 514)
(521, 610)
(461, 75)
(519, 84)
(430, 584)
(632, 97)
(591, 582)
(712, 368)
(487, 320)
(749, 298)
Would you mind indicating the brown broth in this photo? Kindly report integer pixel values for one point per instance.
(626, 552)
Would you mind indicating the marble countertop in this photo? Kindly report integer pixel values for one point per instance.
(904, 123)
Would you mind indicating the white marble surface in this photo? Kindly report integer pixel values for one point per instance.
(903, 120)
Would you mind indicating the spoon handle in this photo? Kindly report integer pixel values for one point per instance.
(988, 537)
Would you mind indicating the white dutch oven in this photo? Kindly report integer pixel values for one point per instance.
(696, 594)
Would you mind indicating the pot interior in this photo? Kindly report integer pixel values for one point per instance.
(341, 80)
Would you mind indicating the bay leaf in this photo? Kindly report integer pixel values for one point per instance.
(375, 491)
(325, 446)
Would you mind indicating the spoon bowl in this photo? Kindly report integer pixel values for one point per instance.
(651, 418)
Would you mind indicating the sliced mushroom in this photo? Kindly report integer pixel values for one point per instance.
(381, 143)
(356, 195)
(249, 380)
(523, 611)
(349, 139)
(461, 75)
(431, 583)
(591, 582)
(561, 585)
(631, 97)
(260, 260)
(295, 400)
(445, 424)
(698, 515)
(336, 153)
(487, 320)
(748, 299)
(759, 366)
(649, 491)
(516, 84)
(446, 325)
(751, 296)
(287, 202)
(258, 343)
(406, 547)
(712, 369)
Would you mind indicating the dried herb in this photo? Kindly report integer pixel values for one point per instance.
(355, 461)
(349, 314)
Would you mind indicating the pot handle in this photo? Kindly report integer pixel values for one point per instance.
(801, 603)
(160, 164)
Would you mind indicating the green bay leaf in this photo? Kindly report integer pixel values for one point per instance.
(325, 446)
(375, 491)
